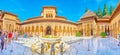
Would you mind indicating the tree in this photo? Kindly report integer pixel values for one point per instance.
(105, 10)
(99, 13)
(103, 34)
(111, 10)
(86, 9)
(20, 33)
(78, 34)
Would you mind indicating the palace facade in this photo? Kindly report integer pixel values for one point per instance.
(8, 21)
(49, 23)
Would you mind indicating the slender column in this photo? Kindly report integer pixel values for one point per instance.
(100, 28)
(90, 29)
(35, 30)
(65, 31)
(44, 29)
(83, 29)
(62, 30)
(40, 31)
(25, 29)
(117, 30)
(68, 31)
(87, 30)
(118, 27)
(104, 26)
(72, 32)
(113, 31)
(30, 29)
(53, 30)
(58, 31)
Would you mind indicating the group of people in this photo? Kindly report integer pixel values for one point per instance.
(119, 39)
(6, 38)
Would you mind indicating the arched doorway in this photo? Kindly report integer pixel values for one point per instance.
(48, 30)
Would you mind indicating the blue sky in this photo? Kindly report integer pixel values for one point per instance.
(71, 9)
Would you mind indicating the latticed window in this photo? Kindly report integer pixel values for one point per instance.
(49, 14)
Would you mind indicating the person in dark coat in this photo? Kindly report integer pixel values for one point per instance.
(119, 39)
(2, 38)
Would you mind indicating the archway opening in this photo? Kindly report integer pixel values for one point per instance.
(48, 30)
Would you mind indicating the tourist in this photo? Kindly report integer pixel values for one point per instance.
(42, 48)
(0, 35)
(52, 49)
(108, 34)
(5, 35)
(25, 35)
(61, 48)
(15, 34)
(9, 37)
(28, 35)
(2, 38)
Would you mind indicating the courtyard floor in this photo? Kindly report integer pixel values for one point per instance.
(78, 46)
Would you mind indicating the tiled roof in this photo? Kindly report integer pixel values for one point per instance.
(106, 16)
(88, 14)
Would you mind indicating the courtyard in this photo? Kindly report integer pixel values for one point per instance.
(89, 27)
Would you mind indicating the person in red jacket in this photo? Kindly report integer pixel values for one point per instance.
(9, 37)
